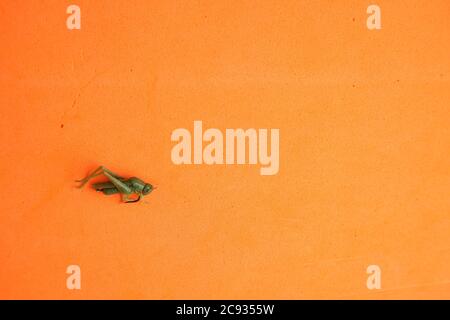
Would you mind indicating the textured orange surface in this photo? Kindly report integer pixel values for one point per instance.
(364, 119)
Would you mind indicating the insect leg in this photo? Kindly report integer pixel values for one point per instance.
(119, 184)
(95, 173)
(111, 173)
(126, 198)
(100, 170)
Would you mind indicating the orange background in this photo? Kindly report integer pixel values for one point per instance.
(364, 149)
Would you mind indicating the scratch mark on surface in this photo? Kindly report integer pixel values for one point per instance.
(81, 90)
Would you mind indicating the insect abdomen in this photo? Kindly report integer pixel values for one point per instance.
(109, 191)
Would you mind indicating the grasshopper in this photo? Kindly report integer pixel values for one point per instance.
(116, 184)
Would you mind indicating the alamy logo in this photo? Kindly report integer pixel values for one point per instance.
(374, 20)
(73, 21)
(73, 281)
(374, 278)
(239, 146)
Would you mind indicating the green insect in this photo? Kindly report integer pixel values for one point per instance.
(116, 184)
